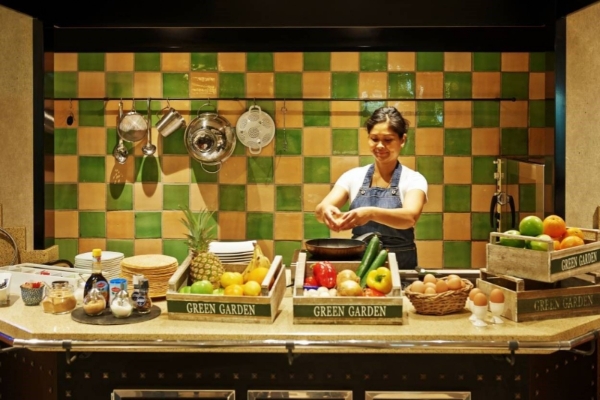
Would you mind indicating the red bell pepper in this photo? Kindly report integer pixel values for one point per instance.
(325, 273)
(370, 292)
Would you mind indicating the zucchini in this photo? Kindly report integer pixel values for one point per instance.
(377, 262)
(368, 256)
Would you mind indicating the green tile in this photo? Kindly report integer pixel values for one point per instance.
(148, 225)
(65, 85)
(345, 141)
(90, 61)
(317, 170)
(430, 61)
(430, 114)
(176, 84)
(288, 142)
(119, 84)
(286, 249)
(550, 61)
(537, 62)
(409, 145)
(259, 62)
(457, 142)
(514, 142)
(125, 246)
(483, 170)
(61, 196)
(537, 113)
(401, 85)
(49, 85)
(367, 108)
(67, 249)
(457, 198)
(232, 198)
(260, 170)
(316, 113)
(480, 226)
(429, 227)
(317, 61)
(344, 85)
(147, 169)
(147, 62)
(92, 224)
(65, 141)
(373, 61)
(288, 85)
(527, 197)
(486, 114)
(119, 196)
(175, 248)
(288, 198)
(432, 168)
(204, 61)
(92, 169)
(232, 84)
(550, 113)
(200, 175)
(91, 113)
(457, 85)
(515, 84)
(175, 196)
(365, 160)
(457, 254)
(486, 62)
(259, 226)
(313, 229)
(174, 144)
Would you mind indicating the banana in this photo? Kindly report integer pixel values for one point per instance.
(254, 263)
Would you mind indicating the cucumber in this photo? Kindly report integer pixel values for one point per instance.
(377, 262)
(368, 256)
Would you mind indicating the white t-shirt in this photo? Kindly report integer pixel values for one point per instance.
(352, 181)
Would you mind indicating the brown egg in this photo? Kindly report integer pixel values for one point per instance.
(496, 296)
(480, 299)
(417, 286)
(429, 278)
(430, 290)
(452, 276)
(473, 292)
(454, 283)
(441, 286)
(430, 284)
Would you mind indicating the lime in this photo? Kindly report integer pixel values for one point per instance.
(511, 242)
(531, 225)
(202, 287)
(539, 245)
(185, 289)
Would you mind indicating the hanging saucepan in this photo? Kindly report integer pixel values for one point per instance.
(133, 126)
(209, 139)
(338, 248)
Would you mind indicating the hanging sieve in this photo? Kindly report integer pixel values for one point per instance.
(255, 129)
(133, 126)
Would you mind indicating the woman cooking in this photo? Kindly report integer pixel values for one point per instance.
(385, 197)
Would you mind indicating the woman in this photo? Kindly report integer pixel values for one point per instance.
(385, 197)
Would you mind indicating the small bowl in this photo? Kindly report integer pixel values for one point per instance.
(32, 296)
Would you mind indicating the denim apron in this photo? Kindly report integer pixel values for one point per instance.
(399, 241)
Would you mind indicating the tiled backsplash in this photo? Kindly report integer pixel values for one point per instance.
(92, 201)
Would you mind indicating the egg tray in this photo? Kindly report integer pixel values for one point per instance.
(448, 302)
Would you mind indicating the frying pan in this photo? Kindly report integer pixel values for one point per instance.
(338, 248)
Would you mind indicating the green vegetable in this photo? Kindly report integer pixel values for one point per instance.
(377, 262)
(368, 256)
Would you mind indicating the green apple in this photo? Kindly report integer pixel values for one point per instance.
(185, 289)
(531, 225)
(511, 242)
(219, 292)
(202, 287)
(539, 245)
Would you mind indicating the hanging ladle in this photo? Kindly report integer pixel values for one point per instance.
(120, 152)
(149, 148)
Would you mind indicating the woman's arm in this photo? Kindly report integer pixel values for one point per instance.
(328, 210)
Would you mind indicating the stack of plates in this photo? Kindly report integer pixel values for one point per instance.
(111, 263)
(233, 252)
(157, 268)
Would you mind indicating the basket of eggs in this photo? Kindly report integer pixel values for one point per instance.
(439, 296)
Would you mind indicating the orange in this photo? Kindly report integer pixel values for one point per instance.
(556, 244)
(554, 226)
(574, 232)
(571, 241)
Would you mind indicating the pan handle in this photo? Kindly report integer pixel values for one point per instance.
(365, 236)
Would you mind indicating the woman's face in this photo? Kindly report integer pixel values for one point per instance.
(384, 143)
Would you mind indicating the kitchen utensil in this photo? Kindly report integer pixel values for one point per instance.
(338, 248)
(255, 129)
(170, 121)
(133, 126)
(149, 148)
(120, 152)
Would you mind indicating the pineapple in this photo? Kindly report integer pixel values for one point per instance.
(204, 265)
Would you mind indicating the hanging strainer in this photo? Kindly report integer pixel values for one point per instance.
(255, 129)
(133, 126)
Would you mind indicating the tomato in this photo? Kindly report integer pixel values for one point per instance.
(311, 281)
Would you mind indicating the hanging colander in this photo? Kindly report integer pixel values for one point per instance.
(255, 129)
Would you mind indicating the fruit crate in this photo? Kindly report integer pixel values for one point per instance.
(544, 266)
(347, 309)
(220, 308)
(531, 300)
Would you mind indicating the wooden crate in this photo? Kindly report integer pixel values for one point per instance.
(544, 266)
(218, 308)
(530, 300)
(345, 309)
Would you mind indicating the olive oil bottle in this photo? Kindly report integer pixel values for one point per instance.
(96, 278)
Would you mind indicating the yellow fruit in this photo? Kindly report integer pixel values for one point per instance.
(574, 232)
(231, 278)
(234, 290)
(252, 288)
(258, 275)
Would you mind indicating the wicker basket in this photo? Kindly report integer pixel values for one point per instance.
(443, 303)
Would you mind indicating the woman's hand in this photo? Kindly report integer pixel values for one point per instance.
(330, 216)
(353, 218)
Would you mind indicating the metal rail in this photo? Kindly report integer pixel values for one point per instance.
(283, 99)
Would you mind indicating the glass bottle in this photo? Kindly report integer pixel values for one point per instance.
(94, 302)
(143, 303)
(96, 279)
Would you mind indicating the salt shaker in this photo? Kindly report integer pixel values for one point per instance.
(121, 306)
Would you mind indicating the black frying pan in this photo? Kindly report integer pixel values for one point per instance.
(337, 248)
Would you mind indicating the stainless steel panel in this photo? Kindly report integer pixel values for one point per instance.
(300, 394)
(125, 394)
(437, 395)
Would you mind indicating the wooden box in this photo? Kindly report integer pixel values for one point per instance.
(219, 308)
(345, 309)
(544, 266)
(529, 300)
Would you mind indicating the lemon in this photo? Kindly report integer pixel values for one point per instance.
(258, 275)
(252, 288)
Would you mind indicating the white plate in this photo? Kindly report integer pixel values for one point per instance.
(106, 256)
(231, 247)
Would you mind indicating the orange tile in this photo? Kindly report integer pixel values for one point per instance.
(229, 109)
(289, 114)
(454, 226)
(87, 245)
(372, 85)
(233, 171)
(537, 85)
(435, 199)
(91, 141)
(62, 110)
(147, 84)
(120, 224)
(549, 142)
(549, 199)
(458, 114)
(345, 114)
(408, 109)
(485, 141)
(409, 161)
(120, 173)
(429, 141)
(119, 62)
(48, 172)
(111, 112)
(486, 85)
(401, 61)
(429, 85)
(204, 195)
(513, 114)
(49, 226)
(66, 224)
(260, 197)
(147, 196)
(363, 142)
(260, 84)
(232, 225)
(289, 226)
(341, 164)
(175, 62)
(537, 141)
(478, 254)
(92, 196)
(232, 62)
(515, 62)
(430, 253)
(175, 169)
(148, 246)
(457, 61)
(49, 62)
(481, 196)
(91, 84)
(288, 62)
(316, 84)
(316, 142)
(346, 61)
(203, 85)
(313, 194)
(66, 169)
(550, 89)
(172, 227)
(457, 170)
(288, 170)
(267, 247)
(65, 62)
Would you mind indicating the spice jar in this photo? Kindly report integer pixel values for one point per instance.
(94, 302)
(140, 296)
(59, 298)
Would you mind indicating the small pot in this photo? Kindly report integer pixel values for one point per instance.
(170, 121)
